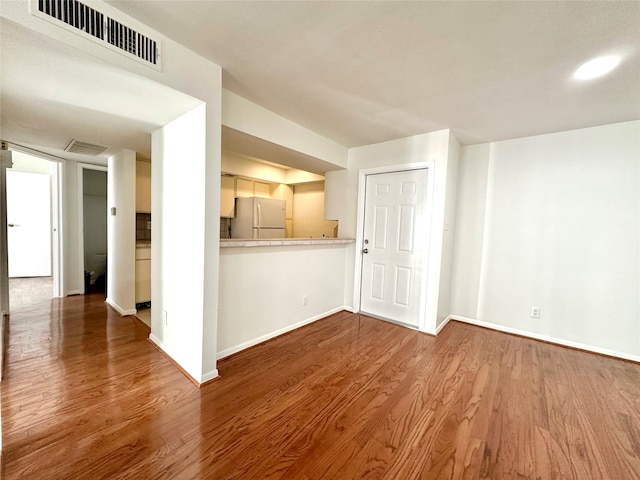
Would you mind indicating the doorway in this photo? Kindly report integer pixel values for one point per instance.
(32, 233)
(93, 227)
(394, 246)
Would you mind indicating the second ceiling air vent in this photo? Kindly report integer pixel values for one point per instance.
(100, 28)
(84, 148)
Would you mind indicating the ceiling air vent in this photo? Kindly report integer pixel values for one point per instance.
(84, 148)
(100, 28)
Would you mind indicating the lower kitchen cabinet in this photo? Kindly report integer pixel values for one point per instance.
(143, 274)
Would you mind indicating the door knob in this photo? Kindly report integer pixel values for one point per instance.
(13, 225)
(366, 250)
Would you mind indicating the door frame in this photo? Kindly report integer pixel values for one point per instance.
(362, 182)
(81, 167)
(56, 174)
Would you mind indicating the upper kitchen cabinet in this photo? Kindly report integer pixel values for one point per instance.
(244, 188)
(143, 186)
(227, 196)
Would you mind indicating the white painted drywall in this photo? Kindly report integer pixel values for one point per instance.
(471, 201)
(262, 291)
(448, 234)
(561, 231)
(248, 117)
(121, 232)
(182, 214)
(73, 277)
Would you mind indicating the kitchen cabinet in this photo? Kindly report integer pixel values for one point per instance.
(227, 196)
(143, 274)
(143, 186)
(261, 189)
(244, 188)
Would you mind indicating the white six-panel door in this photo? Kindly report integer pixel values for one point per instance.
(394, 246)
(29, 224)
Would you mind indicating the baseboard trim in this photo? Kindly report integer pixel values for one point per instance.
(443, 324)
(276, 333)
(121, 311)
(74, 292)
(548, 339)
(173, 358)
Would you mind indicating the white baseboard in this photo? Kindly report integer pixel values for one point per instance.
(443, 324)
(275, 333)
(74, 292)
(121, 311)
(209, 376)
(546, 338)
(176, 358)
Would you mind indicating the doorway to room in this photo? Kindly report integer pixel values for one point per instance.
(93, 188)
(394, 247)
(32, 231)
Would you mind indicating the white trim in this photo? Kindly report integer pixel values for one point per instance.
(57, 238)
(80, 201)
(428, 165)
(205, 377)
(121, 311)
(209, 376)
(74, 292)
(275, 333)
(443, 324)
(546, 338)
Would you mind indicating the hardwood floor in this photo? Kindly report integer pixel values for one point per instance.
(86, 396)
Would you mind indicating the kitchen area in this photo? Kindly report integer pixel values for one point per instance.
(272, 231)
(282, 264)
(262, 200)
(143, 241)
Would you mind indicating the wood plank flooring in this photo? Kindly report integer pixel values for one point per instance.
(86, 396)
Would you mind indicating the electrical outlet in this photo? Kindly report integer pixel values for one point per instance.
(165, 318)
(305, 300)
(535, 312)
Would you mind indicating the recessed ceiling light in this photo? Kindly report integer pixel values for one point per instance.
(597, 67)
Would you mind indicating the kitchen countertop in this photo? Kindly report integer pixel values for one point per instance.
(143, 244)
(279, 242)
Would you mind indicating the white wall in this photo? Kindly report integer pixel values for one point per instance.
(472, 197)
(73, 278)
(183, 213)
(121, 228)
(248, 117)
(561, 231)
(448, 233)
(261, 295)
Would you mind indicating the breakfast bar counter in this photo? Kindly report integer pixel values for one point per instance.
(281, 242)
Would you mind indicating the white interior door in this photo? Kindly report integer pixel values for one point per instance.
(29, 224)
(395, 240)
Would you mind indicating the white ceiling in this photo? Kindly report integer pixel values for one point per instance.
(355, 72)
(365, 72)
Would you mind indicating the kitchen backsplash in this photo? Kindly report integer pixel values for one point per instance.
(225, 227)
(143, 227)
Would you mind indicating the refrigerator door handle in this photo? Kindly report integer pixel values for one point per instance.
(259, 214)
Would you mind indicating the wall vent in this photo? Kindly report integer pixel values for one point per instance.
(80, 18)
(84, 148)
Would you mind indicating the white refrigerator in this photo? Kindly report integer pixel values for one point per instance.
(258, 218)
